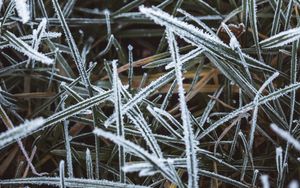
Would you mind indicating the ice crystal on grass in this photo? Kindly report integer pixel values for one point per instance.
(72, 44)
(189, 138)
(68, 182)
(250, 106)
(62, 174)
(265, 181)
(89, 164)
(137, 150)
(24, 48)
(20, 131)
(286, 136)
(279, 165)
(256, 105)
(281, 39)
(189, 75)
(118, 109)
(23, 10)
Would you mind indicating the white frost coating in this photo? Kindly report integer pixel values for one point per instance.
(62, 174)
(193, 35)
(23, 10)
(279, 161)
(20, 131)
(27, 50)
(165, 19)
(40, 31)
(142, 95)
(37, 35)
(187, 57)
(249, 106)
(169, 116)
(89, 164)
(234, 43)
(117, 97)
(286, 136)
(163, 122)
(141, 124)
(137, 150)
(198, 21)
(69, 182)
(144, 169)
(265, 181)
(139, 121)
(294, 184)
(281, 38)
(135, 167)
(28, 39)
(118, 108)
(71, 43)
(107, 20)
(255, 111)
(185, 117)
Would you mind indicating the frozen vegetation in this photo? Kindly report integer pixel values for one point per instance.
(156, 93)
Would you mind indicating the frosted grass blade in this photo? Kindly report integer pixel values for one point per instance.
(250, 106)
(23, 10)
(73, 47)
(281, 39)
(21, 131)
(197, 37)
(69, 182)
(253, 23)
(118, 110)
(24, 48)
(67, 142)
(255, 111)
(265, 181)
(62, 174)
(189, 137)
(286, 136)
(89, 164)
(137, 150)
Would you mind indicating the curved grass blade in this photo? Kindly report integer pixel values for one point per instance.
(137, 150)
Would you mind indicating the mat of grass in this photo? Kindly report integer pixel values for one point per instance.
(149, 93)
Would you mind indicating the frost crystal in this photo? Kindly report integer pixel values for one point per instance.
(265, 181)
(20, 131)
(187, 126)
(23, 10)
(279, 161)
(286, 135)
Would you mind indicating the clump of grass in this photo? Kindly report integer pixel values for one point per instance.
(149, 93)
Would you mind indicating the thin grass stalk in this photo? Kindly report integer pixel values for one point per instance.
(81, 68)
(120, 126)
(189, 139)
(130, 70)
(67, 143)
(293, 78)
(89, 164)
(62, 174)
(253, 24)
